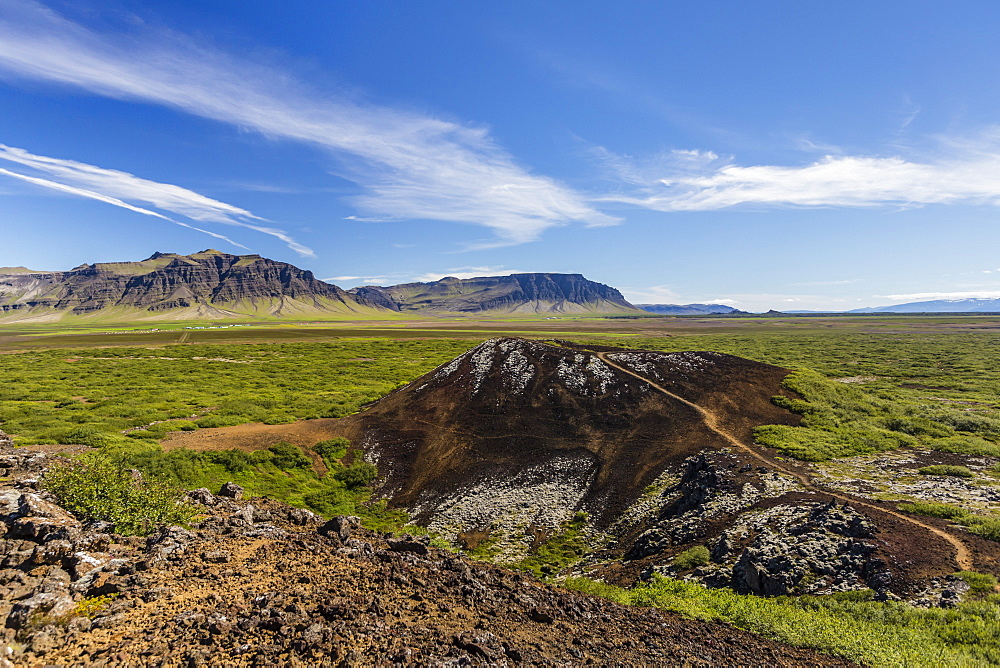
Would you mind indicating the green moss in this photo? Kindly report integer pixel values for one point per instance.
(986, 526)
(935, 509)
(692, 558)
(979, 583)
(966, 445)
(947, 470)
(868, 632)
(563, 548)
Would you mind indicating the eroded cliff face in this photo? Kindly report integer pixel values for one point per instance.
(517, 293)
(227, 283)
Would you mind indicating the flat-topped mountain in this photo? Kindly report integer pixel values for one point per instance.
(517, 293)
(688, 309)
(209, 284)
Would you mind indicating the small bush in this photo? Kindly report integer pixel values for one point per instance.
(934, 509)
(83, 435)
(987, 527)
(211, 421)
(98, 489)
(234, 461)
(330, 502)
(966, 445)
(332, 449)
(90, 606)
(358, 474)
(287, 456)
(948, 470)
(180, 425)
(564, 547)
(916, 426)
(979, 583)
(692, 558)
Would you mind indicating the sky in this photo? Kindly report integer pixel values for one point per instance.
(768, 155)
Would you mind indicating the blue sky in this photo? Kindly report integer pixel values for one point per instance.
(781, 155)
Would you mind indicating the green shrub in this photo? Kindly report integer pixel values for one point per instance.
(330, 502)
(180, 425)
(867, 632)
(987, 527)
(916, 426)
(212, 421)
(563, 548)
(948, 470)
(935, 509)
(234, 461)
(979, 583)
(84, 435)
(287, 456)
(966, 445)
(359, 474)
(97, 488)
(820, 444)
(692, 558)
(333, 449)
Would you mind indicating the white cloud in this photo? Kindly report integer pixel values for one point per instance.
(962, 171)
(116, 187)
(654, 294)
(824, 283)
(80, 192)
(467, 272)
(928, 296)
(411, 166)
(357, 280)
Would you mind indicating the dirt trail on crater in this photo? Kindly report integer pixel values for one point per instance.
(962, 555)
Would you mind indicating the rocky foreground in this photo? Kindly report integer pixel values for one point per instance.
(260, 583)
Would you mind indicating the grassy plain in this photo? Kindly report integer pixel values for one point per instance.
(868, 383)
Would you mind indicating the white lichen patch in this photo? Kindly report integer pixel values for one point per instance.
(449, 368)
(601, 373)
(516, 370)
(572, 374)
(649, 364)
(545, 495)
(481, 362)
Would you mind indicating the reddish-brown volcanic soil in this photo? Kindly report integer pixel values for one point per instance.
(261, 584)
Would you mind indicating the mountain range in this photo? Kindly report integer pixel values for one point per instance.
(688, 309)
(211, 285)
(974, 305)
(167, 286)
(218, 286)
(517, 293)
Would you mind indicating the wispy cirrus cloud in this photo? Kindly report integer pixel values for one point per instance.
(467, 272)
(120, 188)
(410, 166)
(959, 171)
(89, 194)
(928, 296)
